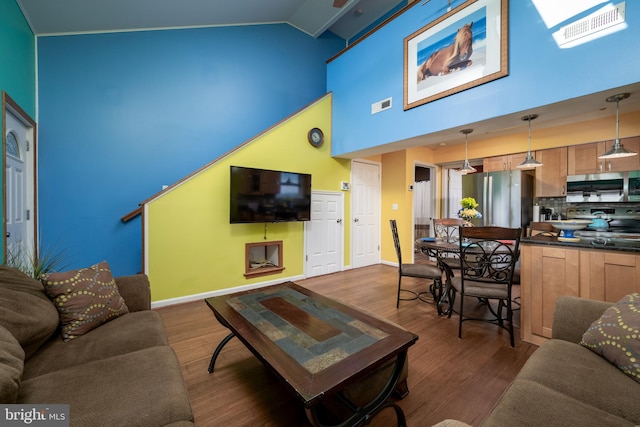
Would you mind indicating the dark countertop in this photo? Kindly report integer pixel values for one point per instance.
(612, 244)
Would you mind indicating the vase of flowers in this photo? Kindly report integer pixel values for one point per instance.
(469, 210)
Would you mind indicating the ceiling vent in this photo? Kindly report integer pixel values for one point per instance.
(599, 21)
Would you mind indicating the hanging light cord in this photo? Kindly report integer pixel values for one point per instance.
(617, 141)
(528, 119)
(466, 147)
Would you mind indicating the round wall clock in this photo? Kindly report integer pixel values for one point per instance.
(315, 137)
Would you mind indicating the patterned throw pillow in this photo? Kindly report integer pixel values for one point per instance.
(616, 335)
(85, 298)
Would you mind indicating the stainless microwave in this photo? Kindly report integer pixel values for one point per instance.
(601, 187)
(634, 186)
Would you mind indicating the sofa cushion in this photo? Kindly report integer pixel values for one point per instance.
(616, 335)
(527, 403)
(11, 364)
(131, 332)
(86, 298)
(25, 310)
(574, 371)
(142, 388)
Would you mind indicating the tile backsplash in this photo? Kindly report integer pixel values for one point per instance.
(558, 204)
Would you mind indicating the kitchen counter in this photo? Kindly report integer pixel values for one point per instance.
(612, 242)
(550, 268)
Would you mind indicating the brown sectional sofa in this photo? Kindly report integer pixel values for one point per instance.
(121, 373)
(565, 384)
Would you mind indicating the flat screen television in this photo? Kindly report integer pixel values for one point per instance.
(260, 195)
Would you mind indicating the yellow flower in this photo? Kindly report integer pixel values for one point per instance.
(468, 210)
(469, 203)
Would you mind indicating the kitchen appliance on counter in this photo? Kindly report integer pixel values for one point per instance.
(505, 198)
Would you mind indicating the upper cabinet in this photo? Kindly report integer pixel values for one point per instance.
(551, 177)
(584, 159)
(503, 163)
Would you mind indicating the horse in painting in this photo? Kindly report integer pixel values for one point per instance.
(449, 58)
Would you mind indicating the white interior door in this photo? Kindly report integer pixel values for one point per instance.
(454, 194)
(19, 184)
(365, 217)
(324, 241)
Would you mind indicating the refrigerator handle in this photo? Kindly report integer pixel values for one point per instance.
(489, 199)
(485, 198)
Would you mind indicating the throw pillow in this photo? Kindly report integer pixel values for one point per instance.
(11, 365)
(616, 335)
(85, 298)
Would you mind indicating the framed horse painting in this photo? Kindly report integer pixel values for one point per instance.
(464, 48)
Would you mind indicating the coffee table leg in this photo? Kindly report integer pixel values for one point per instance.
(364, 415)
(218, 349)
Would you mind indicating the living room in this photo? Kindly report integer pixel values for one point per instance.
(122, 114)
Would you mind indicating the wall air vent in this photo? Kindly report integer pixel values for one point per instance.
(376, 107)
(601, 21)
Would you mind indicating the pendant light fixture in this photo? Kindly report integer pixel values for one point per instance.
(466, 167)
(529, 162)
(617, 150)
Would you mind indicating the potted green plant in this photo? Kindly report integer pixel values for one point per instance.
(36, 263)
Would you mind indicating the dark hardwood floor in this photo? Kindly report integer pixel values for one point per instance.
(448, 377)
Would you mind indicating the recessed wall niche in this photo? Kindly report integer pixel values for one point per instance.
(263, 258)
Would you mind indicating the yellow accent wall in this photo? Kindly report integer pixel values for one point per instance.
(190, 246)
(398, 171)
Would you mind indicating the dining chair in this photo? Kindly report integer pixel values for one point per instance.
(488, 258)
(422, 270)
(543, 228)
(534, 229)
(446, 229)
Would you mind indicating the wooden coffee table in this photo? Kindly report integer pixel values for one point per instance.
(316, 345)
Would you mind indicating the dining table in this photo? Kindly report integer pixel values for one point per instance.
(444, 250)
(440, 249)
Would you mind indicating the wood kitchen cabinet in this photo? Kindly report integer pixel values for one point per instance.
(584, 158)
(503, 163)
(551, 177)
(548, 272)
(608, 275)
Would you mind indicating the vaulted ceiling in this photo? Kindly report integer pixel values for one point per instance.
(345, 18)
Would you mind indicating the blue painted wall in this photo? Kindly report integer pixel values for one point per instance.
(540, 73)
(122, 114)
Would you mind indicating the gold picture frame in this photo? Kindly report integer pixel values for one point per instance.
(464, 48)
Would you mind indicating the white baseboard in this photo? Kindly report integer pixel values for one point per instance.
(198, 297)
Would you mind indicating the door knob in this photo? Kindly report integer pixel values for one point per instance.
(356, 220)
(8, 234)
(339, 220)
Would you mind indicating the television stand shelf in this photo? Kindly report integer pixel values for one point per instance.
(263, 258)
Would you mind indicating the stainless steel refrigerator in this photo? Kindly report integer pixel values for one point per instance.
(505, 198)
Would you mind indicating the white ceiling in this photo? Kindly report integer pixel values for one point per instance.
(310, 16)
